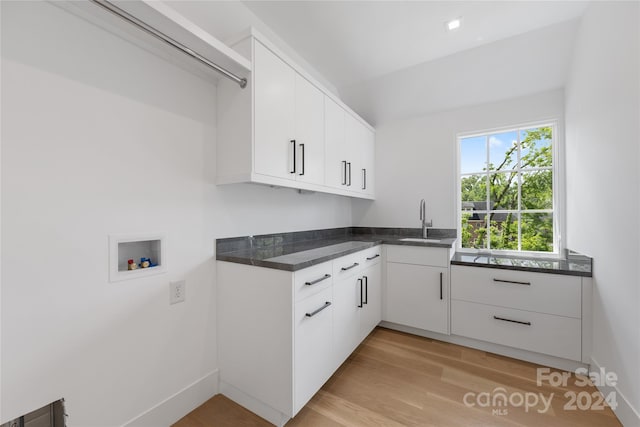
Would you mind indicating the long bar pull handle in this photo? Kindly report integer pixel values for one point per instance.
(302, 147)
(360, 305)
(293, 149)
(313, 282)
(441, 274)
(355, 264)
(313, 313)
(349, 165)
(512, 321)
(366, 289)
(515, 282)
(344, 172)
(373, 257)
(364, 179)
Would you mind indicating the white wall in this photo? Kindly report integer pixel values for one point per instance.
(100, 137)
(602, 121)
(416, 159)
(226, 19)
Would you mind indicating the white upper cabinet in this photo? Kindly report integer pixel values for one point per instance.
(309, 135)
(286, 130)
(275, 99)
(335, 148)
(368, 153)
(349, 149)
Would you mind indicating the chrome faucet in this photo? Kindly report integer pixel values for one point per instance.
(423, 218)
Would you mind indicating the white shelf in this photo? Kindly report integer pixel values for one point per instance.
(168, 21)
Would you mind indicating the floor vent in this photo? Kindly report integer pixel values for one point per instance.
(51, 415)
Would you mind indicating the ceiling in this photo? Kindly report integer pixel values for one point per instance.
(368, 49)
(350, 41)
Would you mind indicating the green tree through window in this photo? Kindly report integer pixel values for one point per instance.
(506, 190)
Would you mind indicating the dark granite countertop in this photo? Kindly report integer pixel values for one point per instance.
(571, 264)
(298, 250)
(295, 251)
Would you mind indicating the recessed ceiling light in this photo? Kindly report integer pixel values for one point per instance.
(454, 24)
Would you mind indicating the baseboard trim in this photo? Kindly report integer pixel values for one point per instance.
(516, 353)
(179, 404)
(625, 412)
(254, 405)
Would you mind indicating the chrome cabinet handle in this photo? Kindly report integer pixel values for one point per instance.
(349, 165)
(364, 179)
(313, 313)
(355, 264)
(313, 282)
(302, 147)
(373, 257)
(441, 285)
(512, 321)
(360, 305)
(512, 281)
(293, 147)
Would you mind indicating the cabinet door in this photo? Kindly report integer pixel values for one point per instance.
(274, 114)
(352, 145)
(371, 313)
(309, 132)
(313, 363)
(335, 153)
(366, 177)
(417, 296)
(346, 315)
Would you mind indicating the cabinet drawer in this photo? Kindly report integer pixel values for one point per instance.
(371, 256)
(436, 257)
(540, 292)
(348, 265)
(312, 280)
(554, 335)
(313, 351)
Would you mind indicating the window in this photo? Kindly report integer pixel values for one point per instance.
(507, 190)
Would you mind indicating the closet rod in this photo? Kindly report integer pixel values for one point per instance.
(168, 40)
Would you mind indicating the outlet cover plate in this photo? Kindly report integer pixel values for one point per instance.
(177, 291)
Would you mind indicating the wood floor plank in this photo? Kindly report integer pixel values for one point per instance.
(397, 379)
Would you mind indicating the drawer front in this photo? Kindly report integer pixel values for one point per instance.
(313, 354)
(539, 292)
(312, 280)
(436, 257)
(348, 265)
(371, 256)
(548, 334)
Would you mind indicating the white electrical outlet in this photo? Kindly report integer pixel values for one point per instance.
(177, 291)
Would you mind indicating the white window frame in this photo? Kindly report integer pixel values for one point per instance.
(558, 183)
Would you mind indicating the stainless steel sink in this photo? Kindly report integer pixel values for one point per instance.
(415, 239)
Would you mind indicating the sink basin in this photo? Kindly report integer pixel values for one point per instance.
(415, 239)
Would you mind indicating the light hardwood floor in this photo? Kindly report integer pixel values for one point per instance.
(397, 379)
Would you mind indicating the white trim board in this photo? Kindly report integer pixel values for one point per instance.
(626, 413)
(179, 404)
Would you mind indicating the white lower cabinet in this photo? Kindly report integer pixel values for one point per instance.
(538, 312)
(371, 313)
(417, 296)
(417, 288)
(358, 301)
(313, 353)
(282, 334)
(542, 333)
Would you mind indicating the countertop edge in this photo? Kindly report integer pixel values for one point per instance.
(529, 269)
(298, 266)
